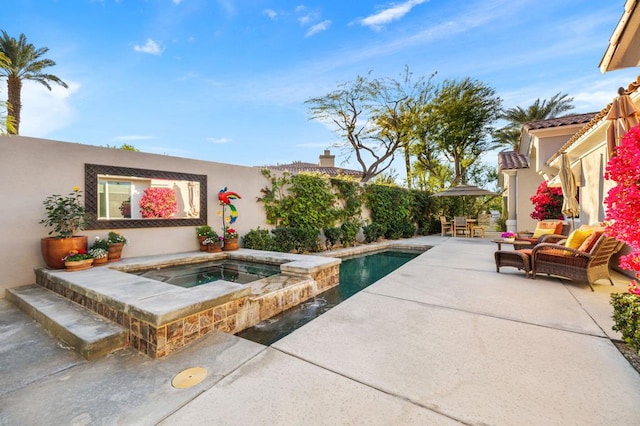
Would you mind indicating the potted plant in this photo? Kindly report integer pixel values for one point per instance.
(508, 236)
(77, 260)
(212, 243)
(99, 251)
(202, 233)
(66, 215)
(230, 237)
(116, 242)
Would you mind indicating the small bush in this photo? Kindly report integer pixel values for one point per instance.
(333, 236)
(306, 239)
(258, 239)
(626, 315)
(372, 232)
(349, 233)
(283, 239)
(408, 229)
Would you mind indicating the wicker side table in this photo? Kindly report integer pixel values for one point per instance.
(515, 258)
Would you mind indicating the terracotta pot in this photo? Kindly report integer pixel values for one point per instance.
(203, 247)
(100, 261)
(214, 248)
(78, 265)
(115, 251)
(230, 244)
(54, 249)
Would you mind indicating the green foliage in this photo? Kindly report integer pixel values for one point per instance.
(64, 214)
(390, 207)
(274, 196)
(310, 205)
(349, 233)
(204, 231)
(283, 239)
(332, 236)
(348, 195)
(408, 230)
(626, 316)
(501, 224)
(423, 211)
(372, 232)
(259, 239)
(100, 243)
(114, 237)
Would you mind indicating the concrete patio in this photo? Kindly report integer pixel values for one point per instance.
(442, 340)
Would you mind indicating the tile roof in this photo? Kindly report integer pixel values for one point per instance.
(299, 167)
(597, 118)
(567, 120)
(512, 160)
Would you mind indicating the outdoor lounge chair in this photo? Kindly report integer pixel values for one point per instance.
(547, 231)
(589, 264)
(445, 226)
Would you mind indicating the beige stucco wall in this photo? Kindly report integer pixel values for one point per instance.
(528, 181)
(32, 169)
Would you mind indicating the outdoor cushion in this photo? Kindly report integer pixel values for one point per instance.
(543, 231)
(591, 241)
(577, 237)
(555, 225)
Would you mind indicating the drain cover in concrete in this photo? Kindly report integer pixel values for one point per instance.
(189, 377)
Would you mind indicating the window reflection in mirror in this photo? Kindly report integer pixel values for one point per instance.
(114, 195)
(119, 198)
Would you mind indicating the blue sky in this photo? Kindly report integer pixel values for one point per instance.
(226, 80)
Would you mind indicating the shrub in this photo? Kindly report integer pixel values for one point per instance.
(333, 236)
(259, 239)
(372, 232)
(283, 239)
(626, 315)
(547, 203)
(349, 233)
(408, 230)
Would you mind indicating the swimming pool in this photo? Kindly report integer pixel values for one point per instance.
(192, 275)
(356, 274)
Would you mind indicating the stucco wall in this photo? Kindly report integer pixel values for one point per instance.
(593, 189)
(32, 169)
(528, 181)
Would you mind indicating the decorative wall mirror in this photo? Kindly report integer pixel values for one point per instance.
(123, 197)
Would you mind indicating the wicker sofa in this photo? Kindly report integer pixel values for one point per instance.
(575, 264)
(559, 231)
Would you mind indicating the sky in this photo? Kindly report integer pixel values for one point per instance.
(227, 80)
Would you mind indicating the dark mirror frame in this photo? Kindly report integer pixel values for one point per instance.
(91, 172)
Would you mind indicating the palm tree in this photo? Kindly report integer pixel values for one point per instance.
(548, 108)
(25, 63)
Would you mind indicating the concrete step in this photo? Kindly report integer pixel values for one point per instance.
(91, 335)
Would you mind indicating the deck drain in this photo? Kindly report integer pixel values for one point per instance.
(189, 377)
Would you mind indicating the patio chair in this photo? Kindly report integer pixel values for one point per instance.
(460, 225)
(590, 262)
(445, 226)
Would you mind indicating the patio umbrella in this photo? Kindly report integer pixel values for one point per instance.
(623, 115)
(570, 207)
(462, 191)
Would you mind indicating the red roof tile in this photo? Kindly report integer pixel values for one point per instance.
(512, 160)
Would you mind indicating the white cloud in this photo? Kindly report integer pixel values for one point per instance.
(322, 26)
(270, 13)
(390, 14)
(43, 111)
(218, 140)
(177, 1)
(150, 47)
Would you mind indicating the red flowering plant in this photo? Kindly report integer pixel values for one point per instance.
(230, 233)
(158, 203)
(547, 202)
(623, 224)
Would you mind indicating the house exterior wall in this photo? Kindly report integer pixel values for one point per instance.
(33, 169)
(528, 181)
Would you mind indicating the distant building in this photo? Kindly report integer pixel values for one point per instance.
(325, 165)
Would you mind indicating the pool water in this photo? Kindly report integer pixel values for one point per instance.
(356, 274)
(192, 275)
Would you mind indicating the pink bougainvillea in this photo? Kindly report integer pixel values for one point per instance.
(158, 203)
(623, 200)
(547, 202)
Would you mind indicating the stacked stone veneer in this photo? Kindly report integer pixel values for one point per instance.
(267, 298)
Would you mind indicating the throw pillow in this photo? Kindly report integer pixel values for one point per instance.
(577, 237)
(542, 231)
(591, 241)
